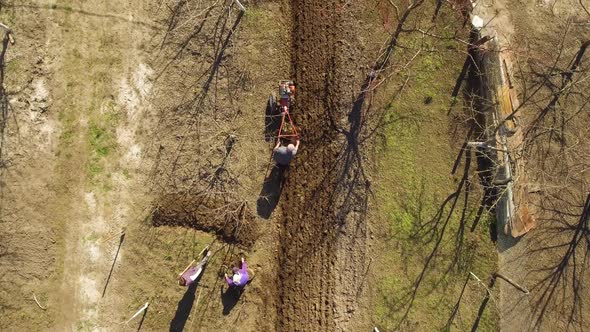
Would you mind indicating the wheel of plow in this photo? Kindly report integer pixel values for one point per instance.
(271, 107)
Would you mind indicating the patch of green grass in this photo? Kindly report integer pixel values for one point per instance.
(69, 123)
(92, 237)
(264, 26)
(61, 7)
(261, 22)
(427, 249)
(7, 16)
(99, 140)
(85, 325)
(94, 169)
(14, 65)
(411, 196)
(102, 142)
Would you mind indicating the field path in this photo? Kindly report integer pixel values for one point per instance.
(98, 86)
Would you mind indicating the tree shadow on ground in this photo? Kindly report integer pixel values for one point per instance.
(455, 310)
(460, 79)
(562, 282)
(4, 111)
(185, 305)
(474, 99)
(483, 305)
(271, 192)
(485, 171)
(230, 298)
(142, 319)
(215, 21)
(433, 231)
(121, 239)
(489, 198)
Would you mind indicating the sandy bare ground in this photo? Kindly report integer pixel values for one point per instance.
(89, 69)
(84, 128)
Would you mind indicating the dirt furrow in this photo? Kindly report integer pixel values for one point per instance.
(305, 253)
(321, 189)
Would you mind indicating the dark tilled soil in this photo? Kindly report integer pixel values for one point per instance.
(322, 245)
(231, 221)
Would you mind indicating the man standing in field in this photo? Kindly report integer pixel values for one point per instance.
(284, 154)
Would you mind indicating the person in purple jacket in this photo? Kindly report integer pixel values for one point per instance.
(240, 277)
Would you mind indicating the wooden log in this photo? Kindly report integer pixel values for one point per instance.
(511, 282)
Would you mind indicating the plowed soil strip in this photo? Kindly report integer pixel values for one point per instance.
(308, 287)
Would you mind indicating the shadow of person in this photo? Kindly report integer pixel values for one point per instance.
(185, 306)
(268, 198)
(184, 309)
(142, 319)
(230, 298)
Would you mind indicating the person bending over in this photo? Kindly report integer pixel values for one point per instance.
(240, 276)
